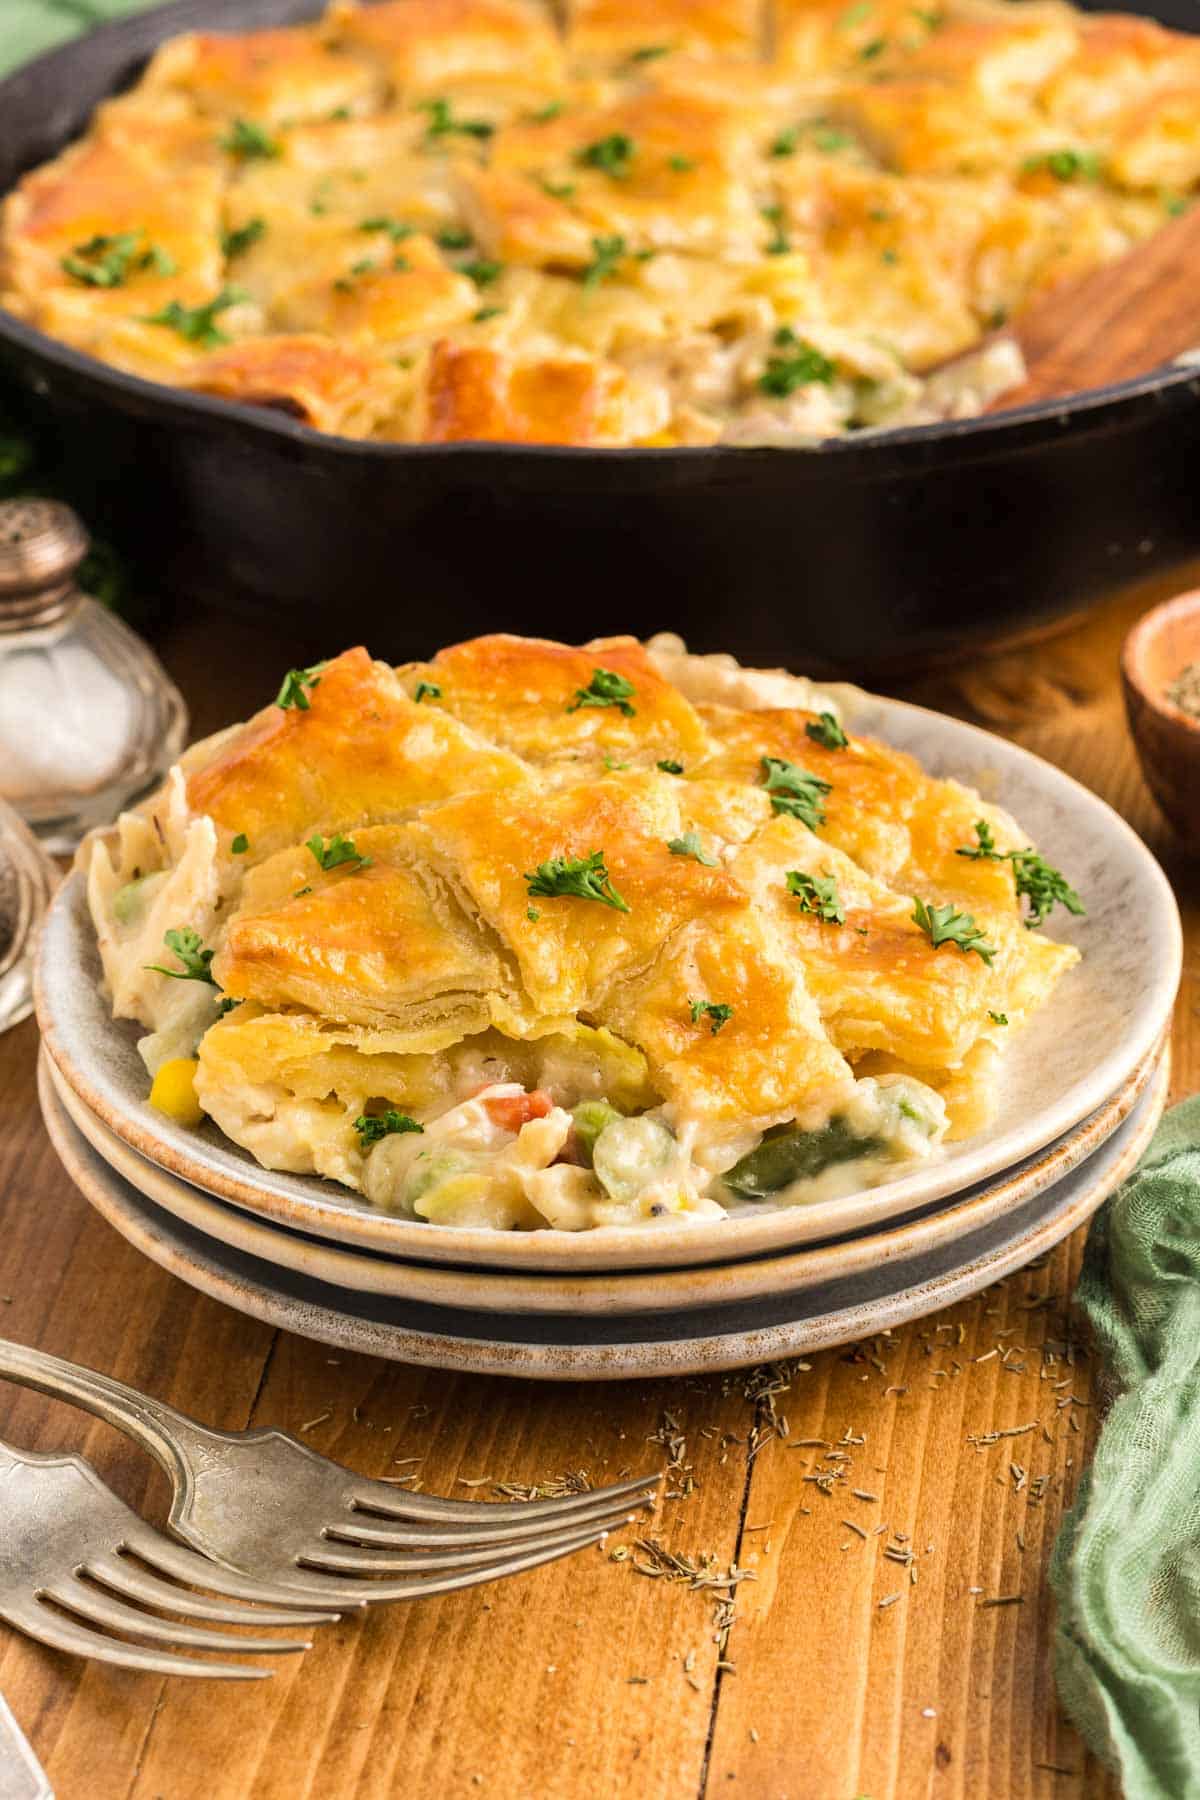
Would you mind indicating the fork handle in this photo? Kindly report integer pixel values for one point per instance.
(157, 1427)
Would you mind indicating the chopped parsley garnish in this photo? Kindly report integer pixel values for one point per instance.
(793, 364)
(198, 324)
(998, 1018)
(427, 690)
(609, 251)
(373, 1126)
(715, 1010)
(240, 844)
(557, 190)
(532, 914)
(855, 15)
(818, 895)
(826, 731)
(485, 313)
(300, 892)
(246, 141)
(396, 229)
(1064, 165)
(828, 138)
(610, 762)
(365, 266)
(870, 51)
(483, 272)
(671, 768)
(689, 845)
(786, 144)
(1043, 887)
(1036, 880)
(226, 1006)
(795, 791)
(577, 877)
(544, 114)
(606, 688)
(779, 243)
(240, 239)
(338, 851)
(649, 53)
(108, 262)
(193, 957)
(946, 925)
(292, 692)
(454, 238)
(612, 155)
(682, 165)
(442, 122)
(932, 21)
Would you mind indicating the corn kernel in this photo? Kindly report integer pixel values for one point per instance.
(174, 1091)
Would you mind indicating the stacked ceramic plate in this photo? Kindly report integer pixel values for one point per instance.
(1081, 1092)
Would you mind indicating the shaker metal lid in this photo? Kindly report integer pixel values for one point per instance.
(42, 543)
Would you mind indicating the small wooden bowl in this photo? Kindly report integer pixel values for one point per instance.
(1156, 652)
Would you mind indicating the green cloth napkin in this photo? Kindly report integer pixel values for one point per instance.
(1126, 1567)
(27, 27)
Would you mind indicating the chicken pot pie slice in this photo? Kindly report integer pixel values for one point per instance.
(534, 936)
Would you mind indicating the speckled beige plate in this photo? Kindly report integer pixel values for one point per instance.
(1105, 1018)
(684, 1340)
(603, 1291)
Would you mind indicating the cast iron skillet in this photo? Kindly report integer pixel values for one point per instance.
(857, 554)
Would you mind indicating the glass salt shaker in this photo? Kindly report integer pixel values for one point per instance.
(27, 880)
(89, 719)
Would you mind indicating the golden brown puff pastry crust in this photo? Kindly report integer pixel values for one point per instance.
(477, 392)
(525, 693)
(361, 751)
(373, 942)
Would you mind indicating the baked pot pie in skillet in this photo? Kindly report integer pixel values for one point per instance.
(534, 936)
(606, 222)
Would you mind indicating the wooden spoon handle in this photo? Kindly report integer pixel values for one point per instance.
(1124, 319)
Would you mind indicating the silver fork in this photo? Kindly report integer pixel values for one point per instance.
(264, 1503)
(67, 1577)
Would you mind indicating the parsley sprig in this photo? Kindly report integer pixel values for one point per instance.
(246, 141)
(578, 877)
(292, 691)
(670, 767)
(612, 155)
(194, 959)
(826, 731)
(373, 1126)
(108, 262)
(690, 845)
(604, 264)
(1065, 165)
(946, 925)
(606, 688)
(442, 122)
(198, 324)
(338, 851)
(427, 690)
(715, 1010)
(1035, 879)
(818, 895)
(793, 364)
(794, 791)
(241, 238)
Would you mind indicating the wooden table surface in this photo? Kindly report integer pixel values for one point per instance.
(590, 1678)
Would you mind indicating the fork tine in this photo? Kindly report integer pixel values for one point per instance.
(417, 1588)
(377, 1496)
(185, 1565)
(98, 1608)
(132, 1583)
(349, 1559)
(61, 1633)
(356, 1530)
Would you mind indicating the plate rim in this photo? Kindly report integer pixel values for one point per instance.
(604, 1291)
(228, 1172)
(635, 1360)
